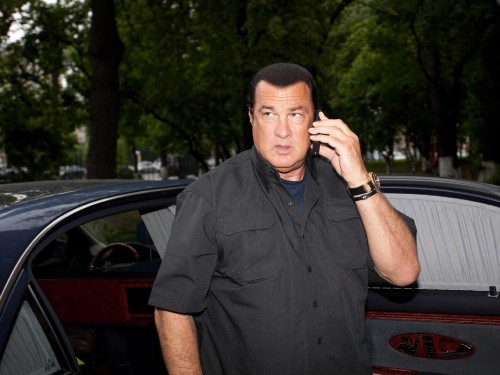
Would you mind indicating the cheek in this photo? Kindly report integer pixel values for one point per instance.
(304, 136)
(261, 135)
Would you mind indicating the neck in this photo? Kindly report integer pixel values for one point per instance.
(294, 175)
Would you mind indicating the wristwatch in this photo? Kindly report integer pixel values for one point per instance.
(366, 190)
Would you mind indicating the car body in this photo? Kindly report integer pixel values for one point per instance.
(79, 259)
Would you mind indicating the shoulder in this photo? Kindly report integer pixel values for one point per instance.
(227, 176)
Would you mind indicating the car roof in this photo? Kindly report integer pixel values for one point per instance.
(440, 186)
(42, 201)
(14, 193)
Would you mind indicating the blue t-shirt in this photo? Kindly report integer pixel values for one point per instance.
(296, 190)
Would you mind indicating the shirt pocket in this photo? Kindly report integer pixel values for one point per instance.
(249, 245)
(348, 236)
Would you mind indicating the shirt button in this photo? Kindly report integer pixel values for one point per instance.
(290, 204)
(319, 341)
(315, 304)
(309, 269)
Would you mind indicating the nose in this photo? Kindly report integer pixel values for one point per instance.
(283, 129)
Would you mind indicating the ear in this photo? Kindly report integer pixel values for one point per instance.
(250, 117)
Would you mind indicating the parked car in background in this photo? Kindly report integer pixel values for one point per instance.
(72, 172)
(78, 260)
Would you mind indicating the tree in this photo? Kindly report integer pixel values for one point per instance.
(417, 68)
(37, 114)
(378, 88)
(482, 110)
(105, 54)
(448, 35)
(203, 56)
(405, 70)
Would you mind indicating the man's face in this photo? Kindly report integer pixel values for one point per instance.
(280, 121)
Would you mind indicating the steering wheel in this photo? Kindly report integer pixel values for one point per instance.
(112, 254)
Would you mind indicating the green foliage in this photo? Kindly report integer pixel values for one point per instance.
(403, 66)
(425, 70)
(38, 109)
(482, 111)
(378, 79)
(186, 71)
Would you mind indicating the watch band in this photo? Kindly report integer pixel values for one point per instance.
(371, 185)
(363, 189)
(362, 197)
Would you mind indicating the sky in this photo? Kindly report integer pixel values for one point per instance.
(16, 31)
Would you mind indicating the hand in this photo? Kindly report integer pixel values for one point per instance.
(341, 146)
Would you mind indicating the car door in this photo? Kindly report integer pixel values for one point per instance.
(99, 287)
(448, 322)
(33, 342)
(79, 304)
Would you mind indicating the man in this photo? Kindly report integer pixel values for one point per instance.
(266, 268)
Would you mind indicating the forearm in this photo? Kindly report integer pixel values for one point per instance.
(392, 245)
(178, 341)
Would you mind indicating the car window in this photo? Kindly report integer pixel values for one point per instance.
(159, 224)
(118, 243)
(31, 347)
(121, 227)
(457, 241)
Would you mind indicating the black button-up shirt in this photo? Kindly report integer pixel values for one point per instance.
(274, 291)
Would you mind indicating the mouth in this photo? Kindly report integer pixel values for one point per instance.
(282, 149)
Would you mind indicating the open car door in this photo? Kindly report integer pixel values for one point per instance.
(449, 321)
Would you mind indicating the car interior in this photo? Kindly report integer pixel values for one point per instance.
(97, 277)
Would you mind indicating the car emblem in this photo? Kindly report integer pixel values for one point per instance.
(432, 346)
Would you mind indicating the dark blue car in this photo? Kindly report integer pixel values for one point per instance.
(78, 259)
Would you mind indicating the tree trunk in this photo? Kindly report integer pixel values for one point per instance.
(105, 54)
(446, 168)
(442, 103)
(164, 175)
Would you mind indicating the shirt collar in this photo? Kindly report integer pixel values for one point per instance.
(265, 171)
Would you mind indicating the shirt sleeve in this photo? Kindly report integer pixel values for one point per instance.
(189, 262)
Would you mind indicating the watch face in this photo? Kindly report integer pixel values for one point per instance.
(376, 180)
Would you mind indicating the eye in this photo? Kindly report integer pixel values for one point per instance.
(269, 116)
(296, 116)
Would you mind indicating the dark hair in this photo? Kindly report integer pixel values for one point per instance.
(282, 75)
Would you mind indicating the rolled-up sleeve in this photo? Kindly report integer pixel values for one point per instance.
(189, 262)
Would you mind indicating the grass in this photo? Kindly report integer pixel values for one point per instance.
(397, 167)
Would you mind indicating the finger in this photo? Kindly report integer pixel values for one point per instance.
(338, 123)
(328, 132)
(326, 140)
(343, 127)
(322, 116)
